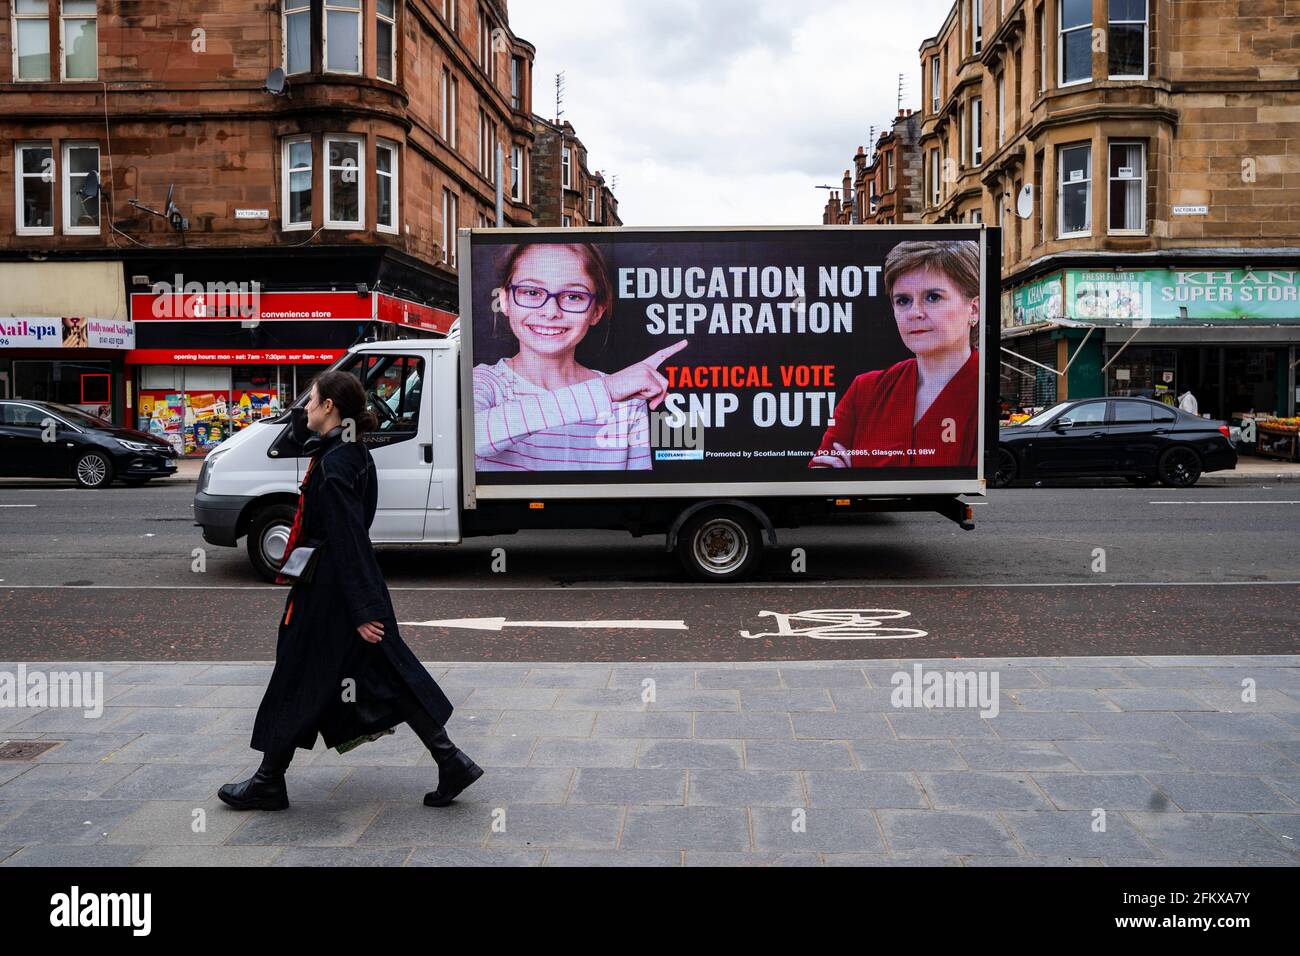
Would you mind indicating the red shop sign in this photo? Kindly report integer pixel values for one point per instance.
(413, 314)
(234, 356)
(238, 302)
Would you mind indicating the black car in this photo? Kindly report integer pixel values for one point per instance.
(48, 440)
(1134, 438)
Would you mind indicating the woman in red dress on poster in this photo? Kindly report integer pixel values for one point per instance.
(922, 411)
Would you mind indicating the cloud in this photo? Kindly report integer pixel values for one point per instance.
(725, 112)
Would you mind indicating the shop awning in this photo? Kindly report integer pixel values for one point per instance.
(55, 290)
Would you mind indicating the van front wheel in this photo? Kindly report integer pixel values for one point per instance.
(268, 535)
(720, 544)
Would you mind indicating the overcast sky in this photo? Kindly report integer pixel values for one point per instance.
(725, 112)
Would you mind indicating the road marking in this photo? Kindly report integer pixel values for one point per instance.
(496, 623)
(837, 624)
(17, 506)
(1219, 502)
(670, 586)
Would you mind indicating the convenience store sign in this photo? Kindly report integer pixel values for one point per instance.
(1218, 296)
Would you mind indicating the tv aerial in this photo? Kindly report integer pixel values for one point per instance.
(170, 212)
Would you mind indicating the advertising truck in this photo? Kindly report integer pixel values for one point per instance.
(710, 385)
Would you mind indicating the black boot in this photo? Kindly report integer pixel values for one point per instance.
(264, 790)
(456, 770)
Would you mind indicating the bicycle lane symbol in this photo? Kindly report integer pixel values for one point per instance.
(839, 624)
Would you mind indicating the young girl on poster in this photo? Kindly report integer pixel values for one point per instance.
(923, 410)
(540, 409)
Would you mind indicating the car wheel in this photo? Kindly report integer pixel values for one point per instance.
(268, 536)
(1142, 481)
(1006, 469)
(94, 469)
(1180, 468)
(720, 544)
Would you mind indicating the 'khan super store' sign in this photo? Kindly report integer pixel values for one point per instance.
(1209, 296)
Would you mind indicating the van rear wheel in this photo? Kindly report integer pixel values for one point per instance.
(268, 536)
(720, 544)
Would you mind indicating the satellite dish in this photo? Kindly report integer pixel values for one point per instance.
(274, 82)
(90, 188)
(1025, 201)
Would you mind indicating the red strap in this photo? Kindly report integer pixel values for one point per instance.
(296, 530)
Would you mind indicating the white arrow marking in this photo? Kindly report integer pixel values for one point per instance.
(496, 623)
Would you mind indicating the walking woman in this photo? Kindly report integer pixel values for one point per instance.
(341, 668)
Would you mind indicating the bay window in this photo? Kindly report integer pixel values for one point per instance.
(1126, 39)
(976, 130)
(1126, 209)
(343, 36)
(1074, 190)
(386, 39)
(296, 35)
(1074, 49)
(517, 173)
(296, 183)
(386, 186)
(345, 201)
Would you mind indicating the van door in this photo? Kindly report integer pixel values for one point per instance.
(395, 390)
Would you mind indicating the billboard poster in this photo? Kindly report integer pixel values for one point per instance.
(724, 356)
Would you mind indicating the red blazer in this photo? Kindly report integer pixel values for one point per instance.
(875, 416)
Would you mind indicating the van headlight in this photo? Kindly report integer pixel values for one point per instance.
(205, 473)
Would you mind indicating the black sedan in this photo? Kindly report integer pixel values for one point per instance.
(48, 440)
(1133, 438)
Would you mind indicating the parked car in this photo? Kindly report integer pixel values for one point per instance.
(1135, 438)
(48, 440)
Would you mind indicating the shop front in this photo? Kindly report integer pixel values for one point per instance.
(1230, 336)
(64, 335)
(207, 365)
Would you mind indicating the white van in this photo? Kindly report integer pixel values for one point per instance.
(248, 487)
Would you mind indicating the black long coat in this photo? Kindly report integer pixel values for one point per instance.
(318, 648)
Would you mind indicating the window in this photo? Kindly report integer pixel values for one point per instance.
(1126, 39)
(397, 381)
(484, 41)
(1127, 174)
(567, 165)
(35, 189)
(976, 215)
(1089, 413)
(889, 169)
(517, 173)
(450, 217)
(1131, 413)
(1040, 228)
(386, 39)
(295, 183)
(976, 130)
(934, 177)
(961, 135)
(450, 94)
(1074, 190)
(32, 34)
(80, 50)
(296, 27)
(935, 76)
(80, 208)
(386, 186)
(345, 201)
(977, 25)
(1074, 51)
(449, 13)
(568, 221)
(1002, 108)
(1040, 54)
(591, 204)
(486, 146)
(516, 82)
(343, 36)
